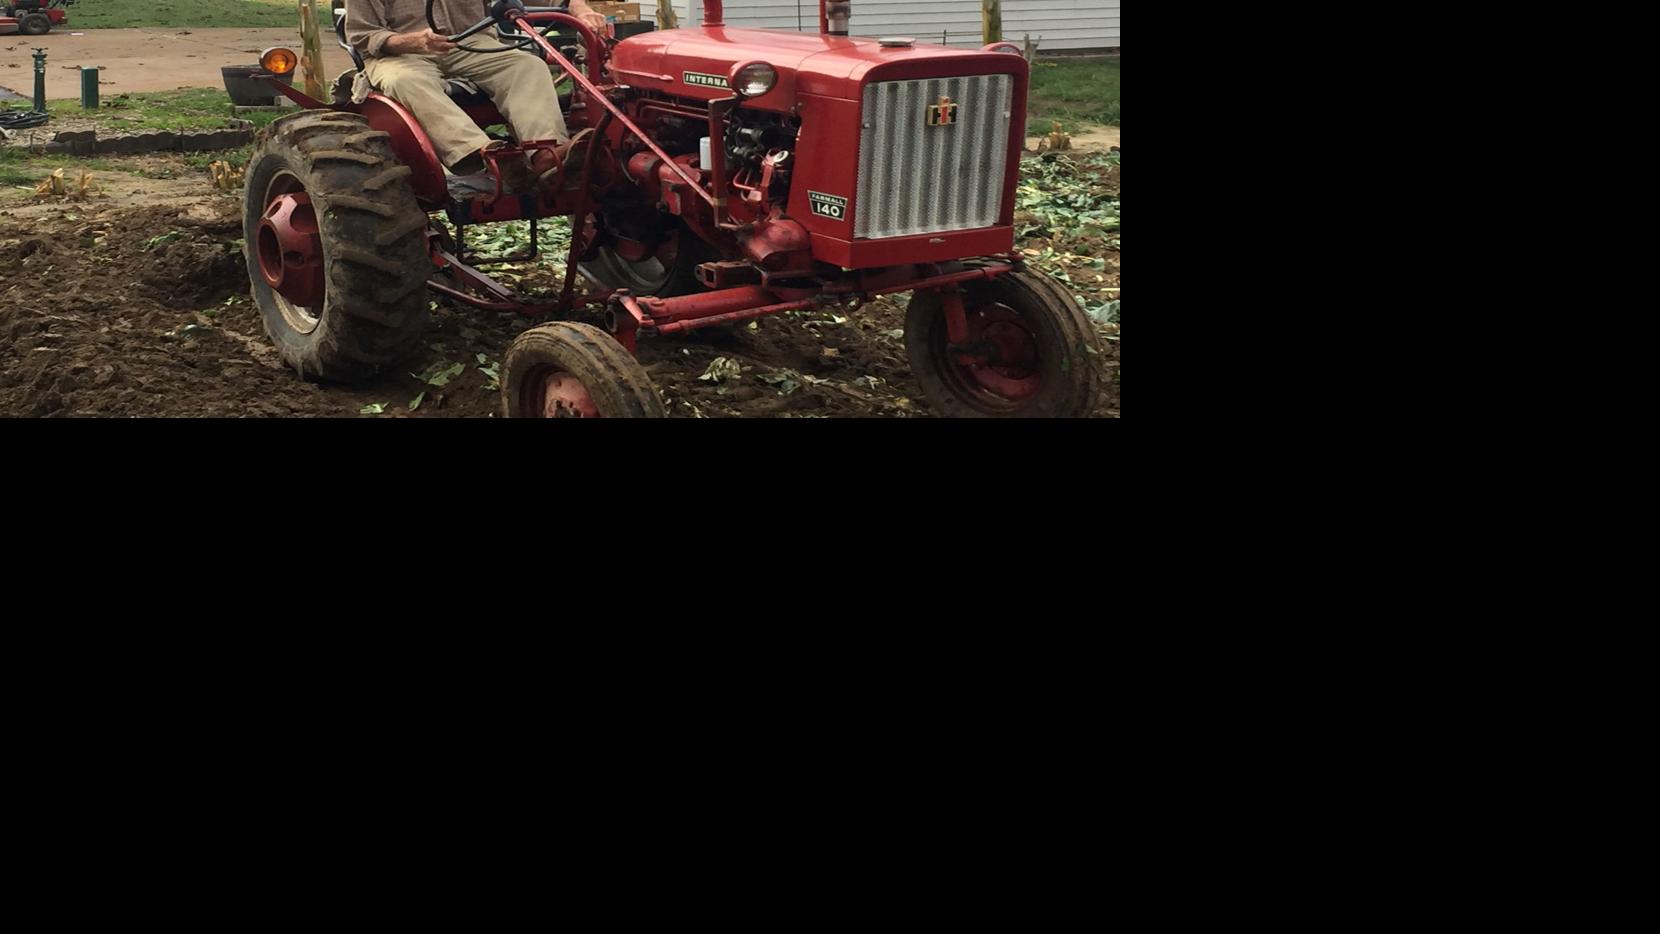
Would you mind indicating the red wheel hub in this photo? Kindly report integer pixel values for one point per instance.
(290, 249)
(564, 396)
(631, 250)
(668, 250)
(1003, 353)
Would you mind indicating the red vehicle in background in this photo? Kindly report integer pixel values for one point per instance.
(32, 17)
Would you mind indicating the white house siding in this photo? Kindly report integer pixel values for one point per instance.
(1061, 24)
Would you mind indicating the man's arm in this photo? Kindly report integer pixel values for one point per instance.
(367, 32)
(582, 11)
(425, 42)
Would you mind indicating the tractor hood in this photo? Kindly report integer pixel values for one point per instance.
(694, 63)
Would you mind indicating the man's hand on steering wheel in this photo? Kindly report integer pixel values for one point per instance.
(594, 20)
(424, 42)
(430, 42)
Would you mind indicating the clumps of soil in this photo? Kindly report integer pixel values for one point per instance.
(119, 313)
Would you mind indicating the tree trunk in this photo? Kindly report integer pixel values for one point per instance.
(991, 20)
(311, 50)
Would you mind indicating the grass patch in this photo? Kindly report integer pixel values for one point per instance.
(18, 167)
(201, 160)
(1074, 91)
(188, 109)
(119, 14)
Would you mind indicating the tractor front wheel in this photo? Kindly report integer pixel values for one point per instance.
(335, 245)
(1030, 351)
(34, 24)
(570, 370)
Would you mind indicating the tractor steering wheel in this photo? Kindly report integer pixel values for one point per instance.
(498, 14)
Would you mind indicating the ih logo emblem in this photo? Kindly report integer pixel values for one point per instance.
(943, 113)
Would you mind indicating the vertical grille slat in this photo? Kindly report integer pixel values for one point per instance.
(915, 178)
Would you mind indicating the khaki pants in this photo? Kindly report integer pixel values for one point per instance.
(520, 85)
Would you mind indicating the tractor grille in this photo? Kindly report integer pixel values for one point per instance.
(915, 178)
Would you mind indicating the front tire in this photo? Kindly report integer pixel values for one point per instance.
(34, 24)
(335, 245)
(1039, 351)
(570, 370)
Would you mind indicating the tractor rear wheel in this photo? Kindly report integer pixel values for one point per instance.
(570, 370)
(1031, 351)
(34, 24)
(668, 271)
(335, 245)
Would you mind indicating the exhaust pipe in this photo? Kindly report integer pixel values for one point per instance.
(833, 16)
(712, 13)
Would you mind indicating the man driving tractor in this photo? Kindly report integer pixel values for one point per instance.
(408, 62)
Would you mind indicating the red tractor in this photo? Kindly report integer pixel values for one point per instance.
(32, 17)
(725, 174)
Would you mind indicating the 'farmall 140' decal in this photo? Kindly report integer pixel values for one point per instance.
(827, 205)
(943, 113)
(708, 81)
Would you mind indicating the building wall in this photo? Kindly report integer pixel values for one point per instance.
(1058, 24)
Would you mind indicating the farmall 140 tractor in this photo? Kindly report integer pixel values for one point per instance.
(719, 174)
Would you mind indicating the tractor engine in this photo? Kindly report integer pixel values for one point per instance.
(759, 150)
(826, 152)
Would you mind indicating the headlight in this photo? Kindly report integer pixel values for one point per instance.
(754, 79)
(279, 61)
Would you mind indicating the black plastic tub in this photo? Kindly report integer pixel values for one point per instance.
(248, 91)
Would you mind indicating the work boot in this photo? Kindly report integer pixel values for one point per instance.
(515, 171)
(470, 164)
(543, 164)
(570, 157)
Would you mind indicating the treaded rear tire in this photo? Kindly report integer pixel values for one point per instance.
(373, 233)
